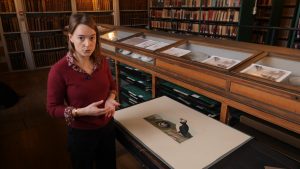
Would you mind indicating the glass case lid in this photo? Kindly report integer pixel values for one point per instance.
(276, 68)
(150, 42)
(209, 54)
(116, 35)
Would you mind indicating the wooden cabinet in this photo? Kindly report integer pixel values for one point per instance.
(223, 71)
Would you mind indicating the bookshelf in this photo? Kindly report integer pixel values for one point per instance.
(12, 36)
(32, 30)
(295, 35)
(268, 13)
(209, 18)
(101, 10)
(45, 23)
(287, 21)
(134, 13)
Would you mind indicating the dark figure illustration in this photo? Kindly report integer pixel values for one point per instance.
(184, 128)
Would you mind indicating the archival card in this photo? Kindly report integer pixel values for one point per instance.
(266, 72)
(134, 41)
(178, 52)
(157, 46)
(221, 62)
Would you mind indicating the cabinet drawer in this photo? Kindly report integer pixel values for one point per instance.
(267, 97)
(193, 74)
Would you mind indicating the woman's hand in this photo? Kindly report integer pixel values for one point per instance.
(110, 106)
(92, 110)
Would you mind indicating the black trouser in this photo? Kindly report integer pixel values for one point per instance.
(90, 148)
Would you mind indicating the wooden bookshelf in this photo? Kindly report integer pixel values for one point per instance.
(12, 39)
(215, 19)
(295, 35)
(134, 13)
(45, 22)
(101, 10)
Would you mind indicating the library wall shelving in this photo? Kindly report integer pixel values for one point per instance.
(134, 13)
(257, 21)
(289, 10)
(101, 10)
(222, 75)
(295, 35)
(268, 13)
(32, 30)
(216, 19)
(12, 37)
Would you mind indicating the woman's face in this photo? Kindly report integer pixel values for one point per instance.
(84, 40)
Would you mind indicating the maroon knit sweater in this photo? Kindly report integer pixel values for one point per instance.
(68, 86)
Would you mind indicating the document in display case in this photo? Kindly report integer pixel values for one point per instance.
(208, 54)
(178, 135)
(275, 68)
(150, 42)
(114, 36)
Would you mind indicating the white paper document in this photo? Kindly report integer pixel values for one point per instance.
(157, 46)
(221, 62)
(178, 52)
(266, 72)
(160, 125)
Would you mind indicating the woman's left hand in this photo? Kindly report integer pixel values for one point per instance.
(111, 106)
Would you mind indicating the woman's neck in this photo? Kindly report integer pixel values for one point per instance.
(84, 63)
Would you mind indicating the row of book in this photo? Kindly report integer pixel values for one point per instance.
(47, 5)
(104, 18)
(134, 18)
(14, 43)
(220, 15)
(7, 6)
(133, 5)
(221, 3)
(220, 30)
(178, 14)
(43, 59)
(228, 15)
(194, 100)
(195, 3)
(175, 26)
(10, 23)
(94, 5)
(264, 2)
(175, 3)
(45, 41)
(47, 22)
(18, 61)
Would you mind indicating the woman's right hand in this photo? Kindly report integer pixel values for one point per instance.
(92, 110)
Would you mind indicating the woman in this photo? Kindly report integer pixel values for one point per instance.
(81, 90)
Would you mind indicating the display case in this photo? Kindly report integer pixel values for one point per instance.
(274, 69)
(214, 56)
(107, 39)
(141, 47)
(217, 69)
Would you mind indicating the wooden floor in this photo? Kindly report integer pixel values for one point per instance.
(29, 137)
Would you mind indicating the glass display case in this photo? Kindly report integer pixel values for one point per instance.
(215, 56)
(141, 45)
(107, 39)
(273, 67)
(150, 42)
